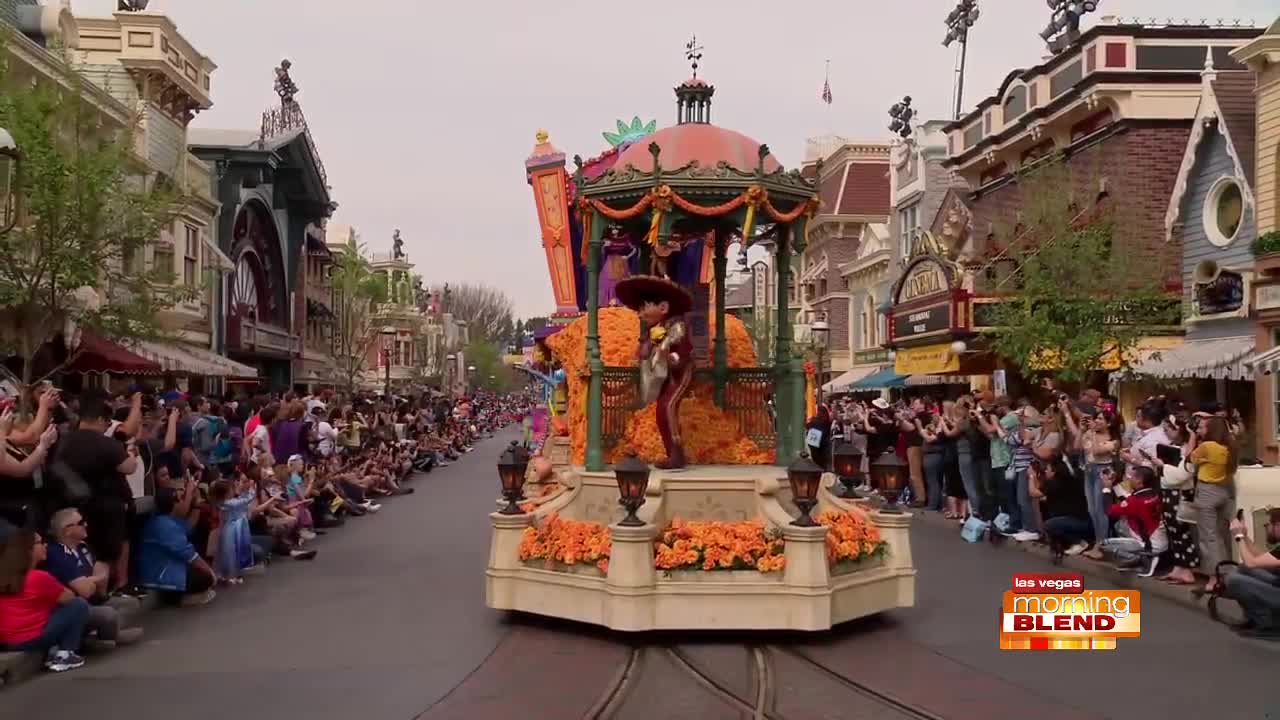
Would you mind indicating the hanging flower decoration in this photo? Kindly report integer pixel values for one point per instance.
(657, 333)
(810, 369)
(717, 545)
(711, 435)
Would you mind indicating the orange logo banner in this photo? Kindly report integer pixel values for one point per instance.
(1054, 611)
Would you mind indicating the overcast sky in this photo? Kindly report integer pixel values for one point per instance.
(424, 111)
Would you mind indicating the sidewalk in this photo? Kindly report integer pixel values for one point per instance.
(1180, 594)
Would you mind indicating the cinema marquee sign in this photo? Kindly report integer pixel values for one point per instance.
(926, 306)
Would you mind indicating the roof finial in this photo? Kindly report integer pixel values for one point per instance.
(285, 87)
(693, 53)
(542, 137)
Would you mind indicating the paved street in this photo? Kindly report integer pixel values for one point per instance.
(389, 622)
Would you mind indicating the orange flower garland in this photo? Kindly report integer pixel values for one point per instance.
(850, 537)
(544, 491)
(568, 542)
(719, 546)
(711, 436)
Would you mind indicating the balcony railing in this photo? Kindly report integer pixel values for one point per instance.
(260, 336)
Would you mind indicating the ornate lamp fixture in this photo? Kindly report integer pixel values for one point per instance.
(886, 478)
(848, 466)
(804, 476)
(633, 480)
(511, 469)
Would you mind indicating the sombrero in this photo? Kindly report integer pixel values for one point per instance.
(546, 331)
(635, 291)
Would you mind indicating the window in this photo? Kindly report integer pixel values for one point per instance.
(191, 258)
(1223, 211)
(908, 226)
(162, 261)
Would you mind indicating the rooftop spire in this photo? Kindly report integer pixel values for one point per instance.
(693, 96)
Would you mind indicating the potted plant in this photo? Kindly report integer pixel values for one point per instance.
(1266, 253)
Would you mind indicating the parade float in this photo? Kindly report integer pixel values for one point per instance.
(674, 491)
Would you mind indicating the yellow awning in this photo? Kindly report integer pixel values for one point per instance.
(928, 360)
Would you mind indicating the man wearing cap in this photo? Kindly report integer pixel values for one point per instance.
(665, 354)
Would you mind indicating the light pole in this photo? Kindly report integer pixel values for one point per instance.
(958, 23)
(1065, 22)
(821, 333)
(902, 114)
(471, 377)
(449, 361)
(388, 344)
(10, 164)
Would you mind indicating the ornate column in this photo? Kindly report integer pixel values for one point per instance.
(782, 351)
(721, 348)
(545, 168)
(797, 391)
(595, 363)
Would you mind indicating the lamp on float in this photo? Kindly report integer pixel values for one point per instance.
(804, 476)
(632, 475)
(512, 466)
(847, 462)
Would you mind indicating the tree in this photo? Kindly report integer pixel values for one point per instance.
(486, 310)
(491, 373)
(76, 257)
(358, 291)
(1080, 296)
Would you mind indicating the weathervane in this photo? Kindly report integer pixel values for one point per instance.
(693, 53)
(286, 88)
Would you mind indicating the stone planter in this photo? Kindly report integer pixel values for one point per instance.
(718, 576)
(844, 567)
(585, 569)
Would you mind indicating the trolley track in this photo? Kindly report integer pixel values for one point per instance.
(770, 668)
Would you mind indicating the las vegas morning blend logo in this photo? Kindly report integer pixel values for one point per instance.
(1054, 611)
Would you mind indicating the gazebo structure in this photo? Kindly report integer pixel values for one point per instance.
(729, 540)
(684, 197)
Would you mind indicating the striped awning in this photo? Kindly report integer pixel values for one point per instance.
(194, 361)
(1217, 359)
(842, 383)
(1265, 362)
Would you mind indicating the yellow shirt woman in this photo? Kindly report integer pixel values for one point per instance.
(1211, 460)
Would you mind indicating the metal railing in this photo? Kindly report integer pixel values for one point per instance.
(747, 396)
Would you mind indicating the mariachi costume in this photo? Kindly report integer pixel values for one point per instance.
(665, 354)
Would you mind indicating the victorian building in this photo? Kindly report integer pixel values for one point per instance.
(1262, 56)
(853, 185)
(404, 350)
(1118, 105)
(141, 58)
(275, 201)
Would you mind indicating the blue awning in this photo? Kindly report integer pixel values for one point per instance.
(881, 380)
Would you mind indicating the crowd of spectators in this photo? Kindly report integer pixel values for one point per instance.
(1154, 494)
(105, 499)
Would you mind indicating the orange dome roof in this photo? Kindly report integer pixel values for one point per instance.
(706, 143)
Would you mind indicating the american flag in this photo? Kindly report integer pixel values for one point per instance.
(826, 85)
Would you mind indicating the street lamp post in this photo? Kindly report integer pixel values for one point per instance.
(821, 333)
(388, 344)
(10, 164)
(449, 361)
(958, 23)
(471, 378)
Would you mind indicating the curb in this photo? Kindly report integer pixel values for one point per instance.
(1179, 594)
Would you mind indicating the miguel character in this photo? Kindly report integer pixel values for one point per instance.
(665, 354)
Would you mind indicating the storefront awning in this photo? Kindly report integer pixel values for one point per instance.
(194, 361)
(1264, 363)
(1217, 359)
(880, 380)
(842, 383)
(97, 355)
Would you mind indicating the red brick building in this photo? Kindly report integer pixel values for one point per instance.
(1118, 104)
(854, 189)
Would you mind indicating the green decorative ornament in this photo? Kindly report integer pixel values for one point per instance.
(628, 134)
